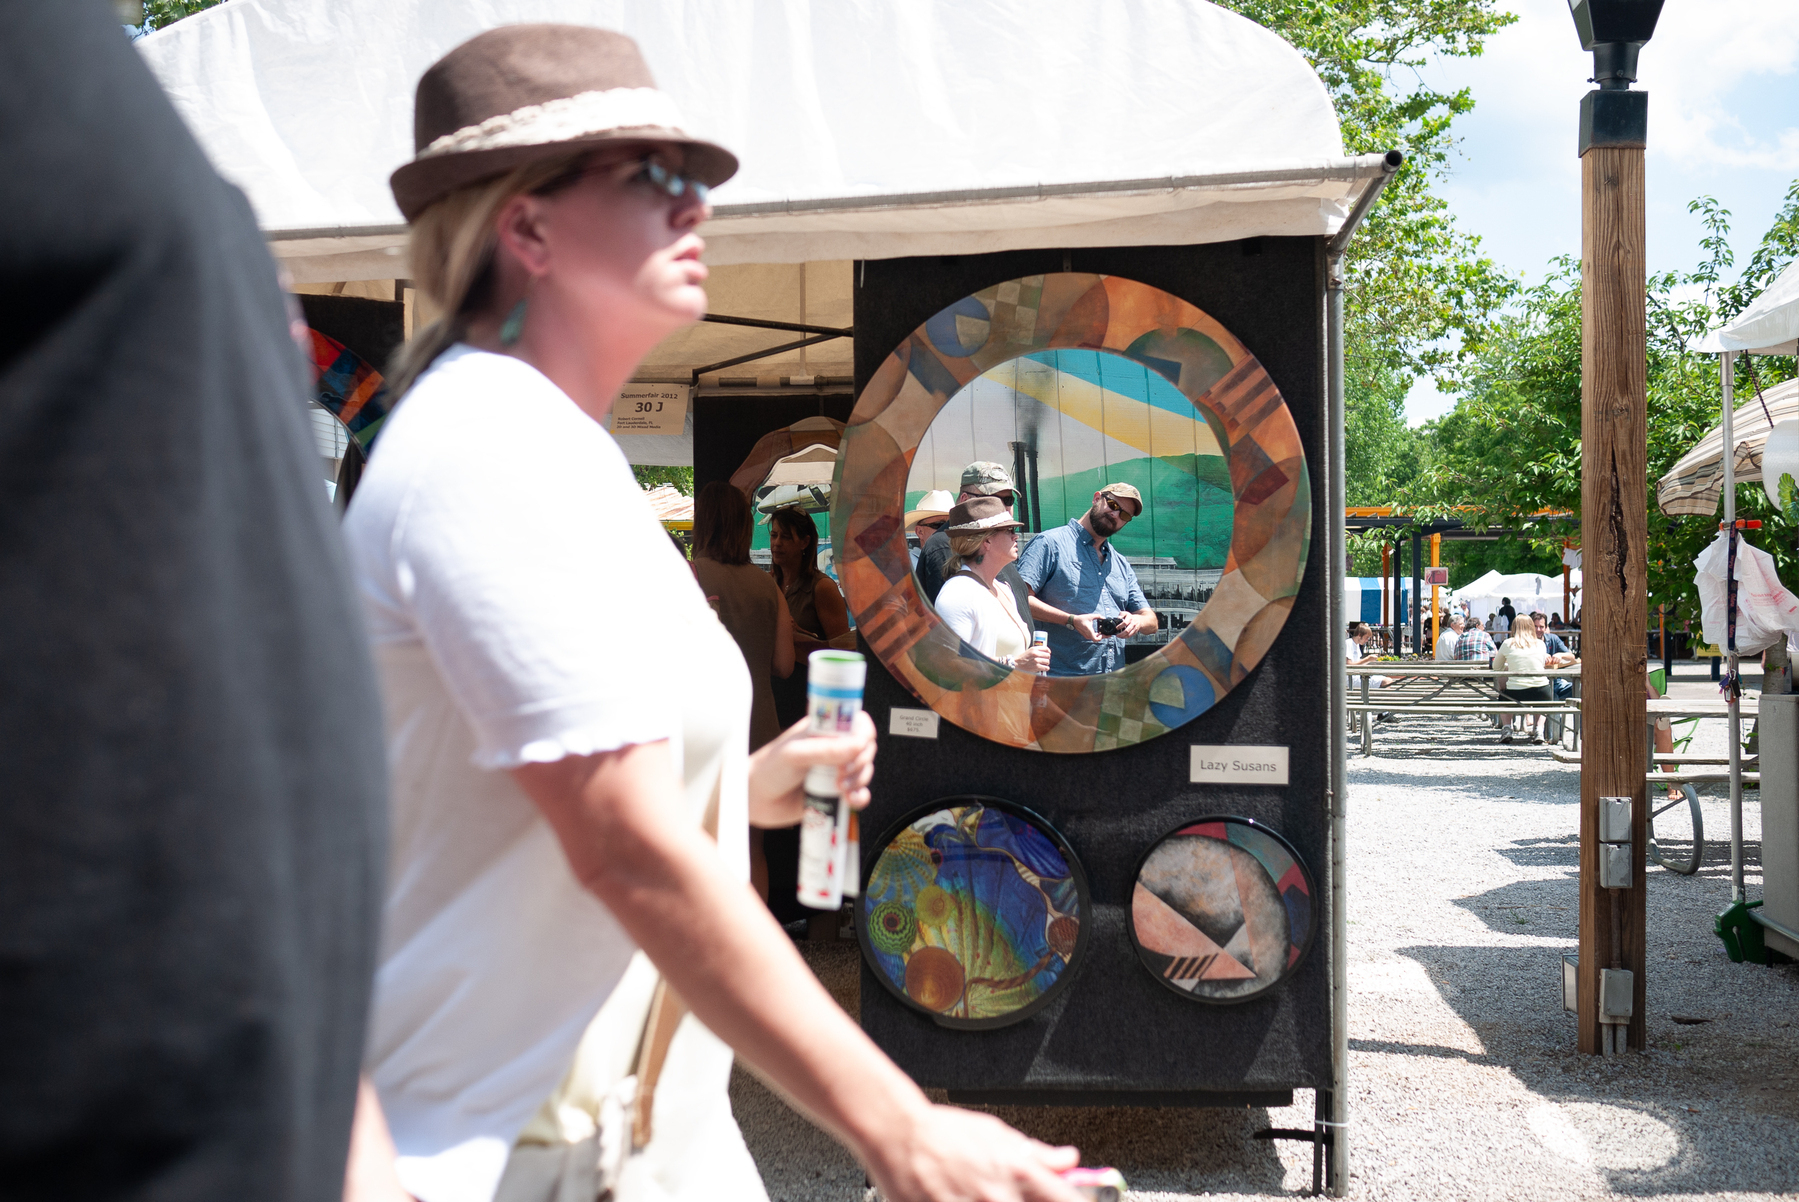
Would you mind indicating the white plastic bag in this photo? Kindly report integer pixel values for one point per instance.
(1766, 611)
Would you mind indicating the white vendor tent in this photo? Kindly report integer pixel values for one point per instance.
(1528, 591)
(876, 129)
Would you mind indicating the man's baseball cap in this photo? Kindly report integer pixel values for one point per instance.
(984, 479)
(1124, 492)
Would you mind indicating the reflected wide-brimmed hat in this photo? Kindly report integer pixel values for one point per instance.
(933, 504)
(520, 93)
(980, 515)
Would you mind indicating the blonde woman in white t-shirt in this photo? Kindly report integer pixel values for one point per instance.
(1521, 657)
(983, 539)
(562, 707)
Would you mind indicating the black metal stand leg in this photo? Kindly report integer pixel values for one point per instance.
(1320, 1137)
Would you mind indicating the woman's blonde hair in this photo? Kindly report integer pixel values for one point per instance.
(965, 551)
(1526, 626)
(452, 248)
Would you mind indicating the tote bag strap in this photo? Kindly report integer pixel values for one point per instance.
(666, 1012)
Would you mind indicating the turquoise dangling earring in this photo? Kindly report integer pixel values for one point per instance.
(514, 325)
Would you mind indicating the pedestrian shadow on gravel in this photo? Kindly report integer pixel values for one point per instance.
(1628, 1124)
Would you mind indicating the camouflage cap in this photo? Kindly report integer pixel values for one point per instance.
(984, 479)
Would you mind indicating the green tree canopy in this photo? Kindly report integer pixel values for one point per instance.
(1511, 447)
(1419, 292)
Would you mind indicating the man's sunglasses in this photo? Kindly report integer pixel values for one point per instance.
(933, 527)
(1115, 507)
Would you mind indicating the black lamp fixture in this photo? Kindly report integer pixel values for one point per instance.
(1614, 31)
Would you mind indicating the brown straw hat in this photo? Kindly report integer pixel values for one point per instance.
(980, 515)
(523, 92)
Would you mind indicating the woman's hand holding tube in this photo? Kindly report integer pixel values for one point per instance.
(778, 771)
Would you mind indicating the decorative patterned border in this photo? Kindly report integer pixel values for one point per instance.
(1270, 536)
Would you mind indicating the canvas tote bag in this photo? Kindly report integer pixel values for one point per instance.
(586, 1143)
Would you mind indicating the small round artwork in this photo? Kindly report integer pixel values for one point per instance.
(974, 912)
(1222, 910)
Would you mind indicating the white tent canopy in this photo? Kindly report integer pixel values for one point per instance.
(1527, 591)
(868, 130)
(1770, 326)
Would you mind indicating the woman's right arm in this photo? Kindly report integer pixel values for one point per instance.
(722, 951)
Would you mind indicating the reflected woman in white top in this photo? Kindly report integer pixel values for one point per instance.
(983, 539)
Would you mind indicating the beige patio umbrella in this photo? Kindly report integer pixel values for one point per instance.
(1695, 484)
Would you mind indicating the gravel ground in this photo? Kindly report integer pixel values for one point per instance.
(1465, 1081)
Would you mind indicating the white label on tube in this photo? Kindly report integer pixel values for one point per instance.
(821, 853)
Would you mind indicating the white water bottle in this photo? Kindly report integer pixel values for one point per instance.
(834, 682)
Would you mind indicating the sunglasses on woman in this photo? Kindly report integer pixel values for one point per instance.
(652, 172)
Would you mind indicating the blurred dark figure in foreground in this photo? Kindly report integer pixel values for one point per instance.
(191, 780)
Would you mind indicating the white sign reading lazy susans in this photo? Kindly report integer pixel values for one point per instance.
(1239, 765)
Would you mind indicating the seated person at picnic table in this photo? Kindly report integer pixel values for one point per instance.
(1356, 654)
(1519, 656)
(1452, 633)
(1475, 645)
(1078, 582)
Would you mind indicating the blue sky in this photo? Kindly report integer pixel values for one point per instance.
(1723, 84)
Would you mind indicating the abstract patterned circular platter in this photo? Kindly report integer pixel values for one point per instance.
(1222, 910)
(974, 912)
(1240, 443)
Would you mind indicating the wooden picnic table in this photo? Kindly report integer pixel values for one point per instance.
(1450, 687)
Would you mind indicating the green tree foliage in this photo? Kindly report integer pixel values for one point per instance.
(1419, 293)
(651, 476)
(1511, 447)
(161, 13)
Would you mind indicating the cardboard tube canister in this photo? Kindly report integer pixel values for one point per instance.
(834, 682)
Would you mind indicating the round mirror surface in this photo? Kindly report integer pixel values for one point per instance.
(1160, 492)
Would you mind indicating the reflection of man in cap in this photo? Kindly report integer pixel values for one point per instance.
(979, 479)
(1077, 581)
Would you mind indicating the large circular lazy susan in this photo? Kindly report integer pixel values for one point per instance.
(974, 912)
(1222, 910)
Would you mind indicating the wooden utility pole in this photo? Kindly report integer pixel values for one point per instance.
(1614, 512)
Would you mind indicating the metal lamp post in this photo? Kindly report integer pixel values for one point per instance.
(1613, 495)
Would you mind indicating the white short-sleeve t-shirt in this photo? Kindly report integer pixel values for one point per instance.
(524, 605)
(988, 623)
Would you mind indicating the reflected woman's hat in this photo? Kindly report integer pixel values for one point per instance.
(981, 515)
(520, 93)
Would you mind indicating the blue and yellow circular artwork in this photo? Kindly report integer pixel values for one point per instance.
(974, 912)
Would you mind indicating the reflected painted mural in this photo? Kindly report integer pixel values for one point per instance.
(1066, 423)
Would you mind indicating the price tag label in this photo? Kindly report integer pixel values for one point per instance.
(651, 409)
(913, 724)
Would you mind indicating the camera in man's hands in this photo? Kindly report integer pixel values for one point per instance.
(1108, 627)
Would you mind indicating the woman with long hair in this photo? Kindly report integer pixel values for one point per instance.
(1521, 657)
(566, 718)
(820, 617)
